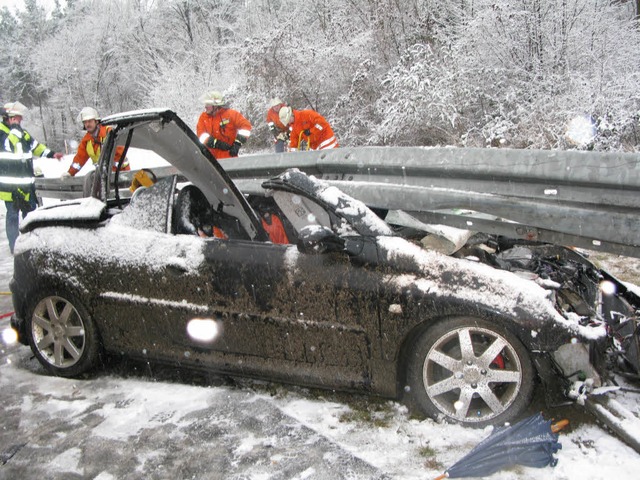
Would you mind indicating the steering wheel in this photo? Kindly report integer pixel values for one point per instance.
(136, 193)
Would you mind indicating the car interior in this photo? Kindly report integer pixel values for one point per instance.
(194, 215)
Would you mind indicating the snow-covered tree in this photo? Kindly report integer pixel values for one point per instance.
(416, 72)
(515, 73)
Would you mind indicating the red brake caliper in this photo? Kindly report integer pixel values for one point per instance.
(498, 362)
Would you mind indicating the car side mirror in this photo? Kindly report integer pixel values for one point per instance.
(315, 239)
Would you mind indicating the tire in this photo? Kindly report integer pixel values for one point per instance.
(470, 371)
(62, 336)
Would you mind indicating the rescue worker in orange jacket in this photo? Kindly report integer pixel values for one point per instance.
(308, 129)
(272, 218)
(221, 129)
(91, 144)
(278, 130)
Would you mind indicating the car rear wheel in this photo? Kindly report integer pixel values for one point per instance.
(62, 336)
(470, 371)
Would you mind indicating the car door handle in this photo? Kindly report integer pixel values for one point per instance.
(177, 269)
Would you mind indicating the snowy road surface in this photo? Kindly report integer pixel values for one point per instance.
(146, 422)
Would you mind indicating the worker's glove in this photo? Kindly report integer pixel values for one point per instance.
(307, 132)
(58, 156)
(65, 175)
(235, 148)
(219, 144)
(282, 136)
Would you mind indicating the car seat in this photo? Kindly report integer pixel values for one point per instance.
(191, 210)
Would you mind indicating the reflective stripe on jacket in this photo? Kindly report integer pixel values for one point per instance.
(225, 125)
(320, 136)
(16, 175)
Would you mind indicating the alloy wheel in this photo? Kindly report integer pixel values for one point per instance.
(472, 374)
(58, 332)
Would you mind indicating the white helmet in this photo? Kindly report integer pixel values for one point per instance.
(88, 113)
(15, 109)
(286, 115)
(214, 98)
(274, 102)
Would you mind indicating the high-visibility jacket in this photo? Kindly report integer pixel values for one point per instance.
(19, 140)
(320, 136)
(16, 169)
(225, 125)
(4, 133)
(90, 147)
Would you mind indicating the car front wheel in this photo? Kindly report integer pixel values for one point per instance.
(470, 371)
(62, 336)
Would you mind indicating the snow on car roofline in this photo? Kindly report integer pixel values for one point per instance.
(136, 114)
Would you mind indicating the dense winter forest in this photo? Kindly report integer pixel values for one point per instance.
(507, 73)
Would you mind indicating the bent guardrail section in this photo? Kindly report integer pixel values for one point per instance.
(584, 199)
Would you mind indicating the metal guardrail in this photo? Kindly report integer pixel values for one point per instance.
(60, 188)
(69, 188)
(584, 199)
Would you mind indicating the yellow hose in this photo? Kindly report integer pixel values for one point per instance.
(300, 141)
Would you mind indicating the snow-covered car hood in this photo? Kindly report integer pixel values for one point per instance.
(476, 283)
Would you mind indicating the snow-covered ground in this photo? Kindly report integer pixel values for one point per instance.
(145, 421)
(151, 422)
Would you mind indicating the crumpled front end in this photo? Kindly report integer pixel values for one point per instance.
(604, 309)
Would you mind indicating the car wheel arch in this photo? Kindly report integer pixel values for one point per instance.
(24, 302)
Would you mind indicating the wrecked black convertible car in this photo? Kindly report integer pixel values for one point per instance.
(349, 302)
